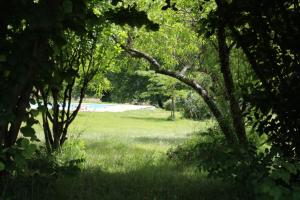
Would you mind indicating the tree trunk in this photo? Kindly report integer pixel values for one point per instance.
(55, 124)
(160, 103)
(18, 96)
(236, 113)
(60, 119)
(47, 133)
(3, 131)
(20, 111)
(224, 126)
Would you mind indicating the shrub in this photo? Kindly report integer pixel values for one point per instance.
(168, 105)
(71, 155)
(31, 172)
(264, 175)
(28, 171)
(14, 160)
(193, 107)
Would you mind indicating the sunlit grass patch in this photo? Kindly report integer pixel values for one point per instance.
(126, 159)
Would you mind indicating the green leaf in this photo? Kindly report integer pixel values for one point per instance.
(24, 142)
(29, 151)
(282, 175)
(3, 58)
(276, 193)
(296, 195)
(42, 108)
(2, 166)
(20, 161)
(35, 112)
(28, 131)
(68, 6)
(115, 2)
(290, 167)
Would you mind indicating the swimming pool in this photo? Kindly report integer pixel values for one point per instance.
(95, 107)
(89, 106)
(92, 106)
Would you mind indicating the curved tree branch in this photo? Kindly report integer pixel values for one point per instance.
(156, 66)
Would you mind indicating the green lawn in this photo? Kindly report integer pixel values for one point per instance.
(126, 159)
(112, 138)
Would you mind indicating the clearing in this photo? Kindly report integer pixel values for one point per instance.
(126, 159)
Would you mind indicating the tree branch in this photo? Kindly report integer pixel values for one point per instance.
(156, 66)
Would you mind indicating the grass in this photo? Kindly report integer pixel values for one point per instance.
(126, 159)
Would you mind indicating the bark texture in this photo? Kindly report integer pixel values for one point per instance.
(236, 114)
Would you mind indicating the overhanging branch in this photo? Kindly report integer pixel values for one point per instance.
(156, 66)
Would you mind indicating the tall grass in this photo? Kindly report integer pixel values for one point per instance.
(126, 159)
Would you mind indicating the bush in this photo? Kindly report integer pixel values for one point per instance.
(14, 160)
(193, 107)
(168, 105)
(72, 155)
(31, 172)
(28, 171)
(264, 175)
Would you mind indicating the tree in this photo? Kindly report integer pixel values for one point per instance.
(76, 64)
(181, 55)
(25, 52)
(127, 84)
(30, 37)
(162, 87)
(75, 60)
(224, 61)
(224, 57)
(267, 32)
(156, 66)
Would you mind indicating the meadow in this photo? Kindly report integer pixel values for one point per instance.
(126, 158)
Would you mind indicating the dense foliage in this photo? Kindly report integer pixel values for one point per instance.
(267, 33)
(48, 47)
(261, 29)
(32, 41)
(236, 61)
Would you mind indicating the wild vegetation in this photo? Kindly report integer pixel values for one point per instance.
(231, 63)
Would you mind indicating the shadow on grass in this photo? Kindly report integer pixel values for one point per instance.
(152, 119)
(162, 182)
(149, 182)
(143, 175)
(168, 140)
(132, 173)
